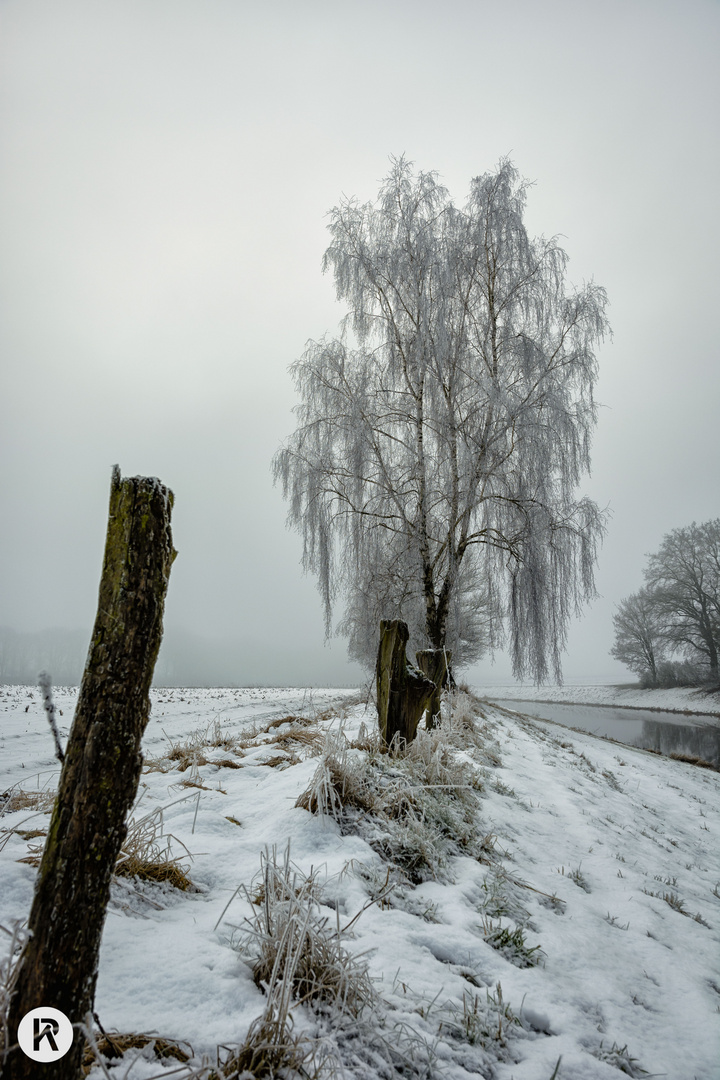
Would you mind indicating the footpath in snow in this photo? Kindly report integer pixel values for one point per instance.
(511, 901)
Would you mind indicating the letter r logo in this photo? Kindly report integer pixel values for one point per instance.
(45, 1027)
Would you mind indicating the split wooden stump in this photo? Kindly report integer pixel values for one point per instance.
(100, 773)
(435, 665)
(403, 692)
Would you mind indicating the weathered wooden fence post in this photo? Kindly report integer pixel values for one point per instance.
(403, 692)
(100, 773)
(435, 664)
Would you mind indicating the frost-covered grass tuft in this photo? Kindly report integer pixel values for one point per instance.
(620, 1059)
(416, 807)
(298, 959)
(676, 902)
(479, 1021)
(577, 877)
(339, 782)
(271, 1049)
(14, 941)
(289, 940)
(512, 944)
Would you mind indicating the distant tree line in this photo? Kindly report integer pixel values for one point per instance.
(185, 660)
(668, 632)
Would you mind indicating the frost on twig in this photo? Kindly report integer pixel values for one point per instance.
(45, 685)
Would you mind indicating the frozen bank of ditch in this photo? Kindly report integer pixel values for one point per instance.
(678, 699)
(692, 737)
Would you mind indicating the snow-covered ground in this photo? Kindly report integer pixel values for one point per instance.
(674, 699)
(579, 923)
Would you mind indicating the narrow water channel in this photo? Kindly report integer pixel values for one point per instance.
(670, 733)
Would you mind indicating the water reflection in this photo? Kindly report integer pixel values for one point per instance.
(669, 738)
(667, 732)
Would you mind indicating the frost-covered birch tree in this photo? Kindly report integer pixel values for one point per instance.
(442, 436)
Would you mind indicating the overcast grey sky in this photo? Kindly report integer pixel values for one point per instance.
(165, 172)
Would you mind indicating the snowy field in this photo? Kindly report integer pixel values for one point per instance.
(518, 895)
(675, 699)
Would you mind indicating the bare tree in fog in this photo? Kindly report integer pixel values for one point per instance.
(678, 607)
(640, 643)
(684, 577)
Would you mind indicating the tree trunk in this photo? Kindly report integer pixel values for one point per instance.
(100, 774)
(403, 692)
(713, 653)
(435, 664)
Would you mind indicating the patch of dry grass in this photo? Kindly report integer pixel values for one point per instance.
(186, 758)
(288, 734)
(280, 721)
(34, 856)
(147, 854)
(295, 737)
(30, 834)
(281, 761)
(194, 751)
(693, 759)
(190, 783)
(158, 871)
(110, 1046)
(16, 799)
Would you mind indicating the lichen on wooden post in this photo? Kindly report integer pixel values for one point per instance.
(435, 664)
(100, 773)
(403, 692)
